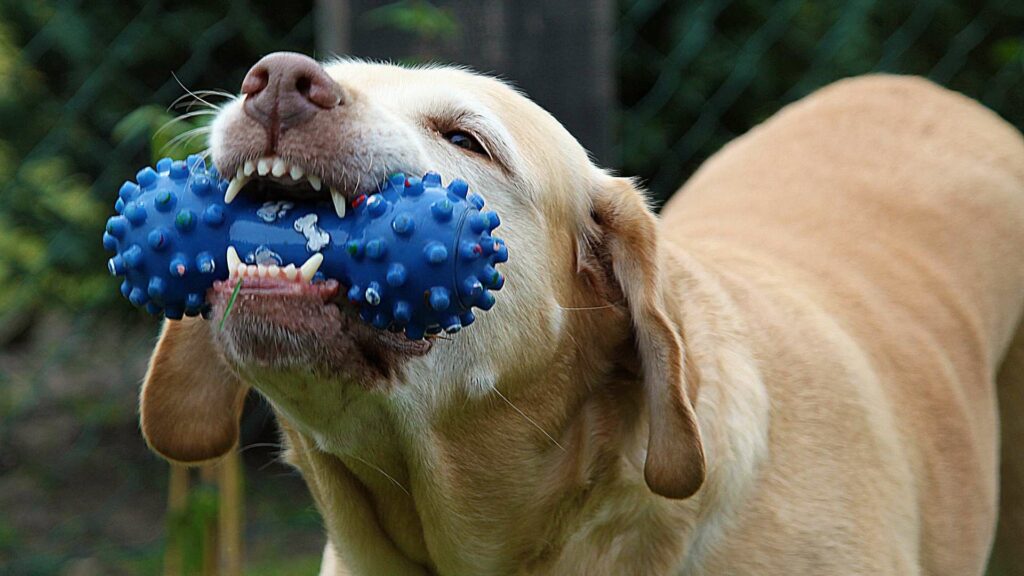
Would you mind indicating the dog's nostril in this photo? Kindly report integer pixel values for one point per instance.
(303, 84)
(255, 80)
(319, 89)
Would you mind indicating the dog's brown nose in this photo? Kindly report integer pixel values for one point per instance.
(285, 89)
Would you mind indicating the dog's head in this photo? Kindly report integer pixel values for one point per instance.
(584, 300)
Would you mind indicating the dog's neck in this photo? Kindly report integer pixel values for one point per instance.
(474, 494)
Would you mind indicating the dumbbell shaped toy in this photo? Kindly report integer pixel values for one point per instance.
(415, 257)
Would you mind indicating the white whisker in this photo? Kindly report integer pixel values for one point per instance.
(182, 118)
(528, 419)
(185, 137)
(193, 94)
(578, 308)
(260, 445)
(386, 475)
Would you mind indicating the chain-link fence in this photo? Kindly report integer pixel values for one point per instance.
(693, 75)
(85, 91)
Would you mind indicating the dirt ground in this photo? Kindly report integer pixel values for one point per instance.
(80, 494)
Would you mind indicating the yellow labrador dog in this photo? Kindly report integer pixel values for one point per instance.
(792, 371)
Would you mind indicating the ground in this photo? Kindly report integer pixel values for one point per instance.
(80, 492)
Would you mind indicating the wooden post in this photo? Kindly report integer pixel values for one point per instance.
(331, 25)
(177, 500)
(230, 522)
(560, 52)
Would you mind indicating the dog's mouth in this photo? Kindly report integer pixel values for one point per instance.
(276, 178)
(288, 315)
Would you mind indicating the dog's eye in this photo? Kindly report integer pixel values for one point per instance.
(466, 141)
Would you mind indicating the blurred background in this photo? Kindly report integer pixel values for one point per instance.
(88, 90)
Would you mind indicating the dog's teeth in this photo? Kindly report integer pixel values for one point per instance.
(263, 167)
(239, 174)
(233, 260)
(251, 270)
(290, 271)
(240, 269)
(279, 168)
(296, 172)
(248, 168)
(273, 270)
(339, 202)
(314, 181)
(311, 266)
(261, 270)
(234, 187)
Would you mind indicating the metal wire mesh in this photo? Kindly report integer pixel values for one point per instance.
(694, 75)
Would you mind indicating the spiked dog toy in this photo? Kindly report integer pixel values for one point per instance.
(416, 257)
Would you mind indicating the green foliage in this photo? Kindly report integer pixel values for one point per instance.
(693, 75)
(169, 135)
(85, 101)
(418, 17)
(8, 538)
(286, 565)
(189, 526)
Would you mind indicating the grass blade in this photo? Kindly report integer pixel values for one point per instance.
(231, 303)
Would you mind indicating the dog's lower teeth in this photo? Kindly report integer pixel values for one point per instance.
(233, 259)
(311, 266)
(239, 269)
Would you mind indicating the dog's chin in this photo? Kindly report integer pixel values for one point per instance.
(287, 327)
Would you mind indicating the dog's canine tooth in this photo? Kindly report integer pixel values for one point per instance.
(234, 187)
(279, 168)
(248, 168)
(296, 172)
(311, 266)
(290, 271)
(263, 166)
(314, 181)
(339, 202)
(233, 260)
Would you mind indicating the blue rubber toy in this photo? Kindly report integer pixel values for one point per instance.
(415, 257)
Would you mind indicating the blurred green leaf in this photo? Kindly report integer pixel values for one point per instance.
(1007, 50)
(417, 17)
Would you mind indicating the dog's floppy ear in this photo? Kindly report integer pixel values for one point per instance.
(623, 243)
(191, 401)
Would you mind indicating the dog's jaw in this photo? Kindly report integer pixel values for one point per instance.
(309, 330)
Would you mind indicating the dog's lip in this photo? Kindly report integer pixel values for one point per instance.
(328, 291)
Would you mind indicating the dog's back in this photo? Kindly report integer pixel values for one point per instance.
(887, 213)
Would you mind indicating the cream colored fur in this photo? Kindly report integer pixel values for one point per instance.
(821, 313)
